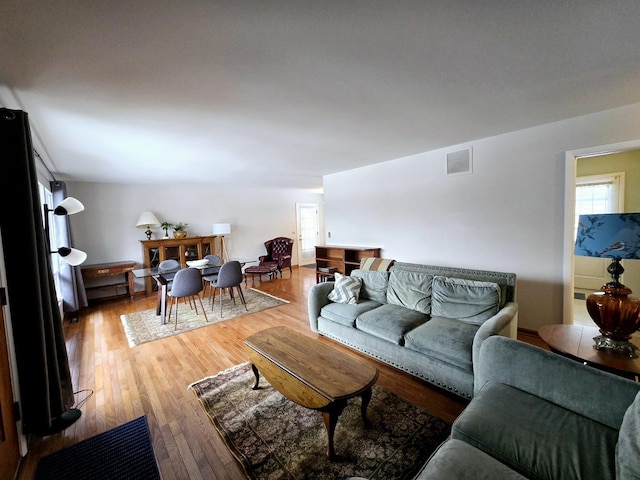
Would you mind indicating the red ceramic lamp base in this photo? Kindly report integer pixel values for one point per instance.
(617, 314)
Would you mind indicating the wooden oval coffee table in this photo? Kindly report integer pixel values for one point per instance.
(576, 341)
(311, 374)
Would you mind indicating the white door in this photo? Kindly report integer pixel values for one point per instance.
(596, 194)
(307, 224)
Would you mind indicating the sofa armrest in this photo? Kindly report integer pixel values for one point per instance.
(493, 326)
(582, 389)
(318, 299)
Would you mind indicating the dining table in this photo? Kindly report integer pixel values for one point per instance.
(164, 277)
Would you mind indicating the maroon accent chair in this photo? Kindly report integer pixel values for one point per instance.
(279, 252)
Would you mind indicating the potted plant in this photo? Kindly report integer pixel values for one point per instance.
(166, 226)
(180, 230)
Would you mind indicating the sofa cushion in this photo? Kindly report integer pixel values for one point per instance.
(444, 338)
(628, 447)
(390, 322)
(471, 301)
(374, 284)
(538, 439)
(410, 289)
(345, 290)
(457, 460)
(346, 313)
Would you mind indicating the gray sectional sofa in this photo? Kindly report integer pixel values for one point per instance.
(429, 321)
(538, 415)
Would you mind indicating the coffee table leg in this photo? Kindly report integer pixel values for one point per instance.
(257, 375)
(330, 417)
(366, 398)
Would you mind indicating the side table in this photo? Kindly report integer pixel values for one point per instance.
(113, 270)
(576, 342)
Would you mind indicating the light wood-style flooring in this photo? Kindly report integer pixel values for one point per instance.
(152, 380)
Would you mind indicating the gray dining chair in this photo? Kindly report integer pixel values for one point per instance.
(187, 283)
(229, 276)
(214, 260)
(168, 266)
(209, 280)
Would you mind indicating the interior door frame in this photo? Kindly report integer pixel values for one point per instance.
(570, 159)
(299, 231)
(17, 434)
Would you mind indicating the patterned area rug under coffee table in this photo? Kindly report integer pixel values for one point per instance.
(142, 327)
(274, 438)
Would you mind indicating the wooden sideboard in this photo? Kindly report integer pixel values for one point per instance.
(108, 277)
(180, 249)
(344, 259)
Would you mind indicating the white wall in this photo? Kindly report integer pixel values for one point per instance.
(508, 215)
(106, 229)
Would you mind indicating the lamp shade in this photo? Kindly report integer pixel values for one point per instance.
(69, 206)
(611, 235)
(148, 220)
(221, 228)
(72, 256)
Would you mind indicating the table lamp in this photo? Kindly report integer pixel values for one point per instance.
(615, 312)
(222, 229)
(148, 220)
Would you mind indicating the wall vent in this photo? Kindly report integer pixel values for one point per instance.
(459, 163)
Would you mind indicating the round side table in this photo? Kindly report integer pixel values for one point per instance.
(576, 342)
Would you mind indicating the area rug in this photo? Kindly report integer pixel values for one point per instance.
(274, 438)
(122, 452)
(142, 327)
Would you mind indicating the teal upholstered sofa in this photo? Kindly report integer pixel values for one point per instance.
(538, 415)
(429, 321)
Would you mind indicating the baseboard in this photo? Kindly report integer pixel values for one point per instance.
(527, 331)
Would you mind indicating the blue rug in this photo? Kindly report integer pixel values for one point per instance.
(124, 452)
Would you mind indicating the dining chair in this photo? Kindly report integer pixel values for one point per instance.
(168, 266)
(209, 280)
(229, 276)
(187, 283)
(214, 260)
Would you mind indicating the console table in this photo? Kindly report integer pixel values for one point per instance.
(111, 270)
(576, 342)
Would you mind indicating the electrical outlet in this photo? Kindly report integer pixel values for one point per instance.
(328, 234)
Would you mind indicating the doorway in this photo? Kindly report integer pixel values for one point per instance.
(308, 230)
(592, 162)
(595, 194)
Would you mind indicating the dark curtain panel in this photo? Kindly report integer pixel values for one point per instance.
(71, 283)
(45, 385)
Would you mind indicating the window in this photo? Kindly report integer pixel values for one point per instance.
(599, 194)
(46, 197)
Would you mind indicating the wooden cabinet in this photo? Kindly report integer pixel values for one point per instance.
(180, 249)
(343, 259)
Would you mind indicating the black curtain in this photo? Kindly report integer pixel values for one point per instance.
(44, 379)
(74, 295)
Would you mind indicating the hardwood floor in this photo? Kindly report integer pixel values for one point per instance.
(123, 383)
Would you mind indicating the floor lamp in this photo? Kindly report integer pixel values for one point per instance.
(74, 257)
(222, 229)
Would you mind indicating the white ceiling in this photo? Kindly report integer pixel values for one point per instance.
(281, 92)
